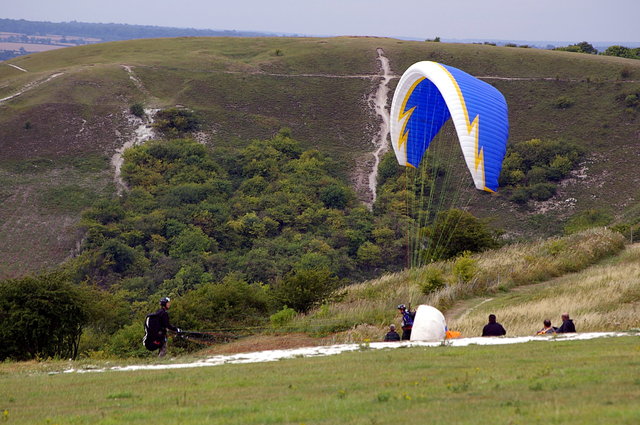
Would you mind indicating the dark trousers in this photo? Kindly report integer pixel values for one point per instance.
(406, 334)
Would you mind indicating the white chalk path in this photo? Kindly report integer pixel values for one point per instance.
(379, 101)
(30, 86)
(17, 67)
(275, 355)
(143, 131)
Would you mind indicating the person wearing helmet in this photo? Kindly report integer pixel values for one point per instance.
(407, 321)
(163, 314)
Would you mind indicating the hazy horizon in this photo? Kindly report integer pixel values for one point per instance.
(569, 21)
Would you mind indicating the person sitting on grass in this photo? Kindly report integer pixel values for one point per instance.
(567, 325)
(392, 335)
(547, 329)
(493, 328)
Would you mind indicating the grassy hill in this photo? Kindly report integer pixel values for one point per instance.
(58, 136)
(591, 275)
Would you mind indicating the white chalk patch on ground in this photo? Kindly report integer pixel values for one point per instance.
(17, 67)
(275, 355)
(378, 100)
(143, 131)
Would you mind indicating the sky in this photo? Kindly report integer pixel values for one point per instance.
(517, 20)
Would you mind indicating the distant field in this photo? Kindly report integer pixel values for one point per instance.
(29, 47)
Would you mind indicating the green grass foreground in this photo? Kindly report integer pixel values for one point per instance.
(569, 382)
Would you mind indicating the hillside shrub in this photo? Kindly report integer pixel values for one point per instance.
(465, 267)
(432, 279)
(582, 47)
(563, 102)
(456, 231)
(520, 195)
(282, 317)
(543, 163)
(176, 121)
(304, 289)
(542, 191)
(232, 304)
(632, 100)
(137, 109)
(127, 342)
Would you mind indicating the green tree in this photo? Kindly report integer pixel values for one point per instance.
(304, 289)
(456, 231)
(335, 196)
(621, 51)
(582, 47)
(42, 316)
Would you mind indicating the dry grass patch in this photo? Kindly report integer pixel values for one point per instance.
(601, 298)
(374, 302)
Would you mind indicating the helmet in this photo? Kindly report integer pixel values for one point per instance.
(402, 307)
(164, 301)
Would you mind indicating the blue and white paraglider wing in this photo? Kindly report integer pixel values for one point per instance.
(428, 94)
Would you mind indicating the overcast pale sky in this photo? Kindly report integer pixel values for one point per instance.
(525, 20)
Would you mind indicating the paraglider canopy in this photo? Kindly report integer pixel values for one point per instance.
(428, 325)
(428, 94)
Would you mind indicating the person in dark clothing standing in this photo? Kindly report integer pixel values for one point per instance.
(407, 321)
(392, 335)
(567, 325)
(493, 328)
(163, 314)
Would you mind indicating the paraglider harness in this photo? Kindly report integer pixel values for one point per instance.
(407, 319)
(154, 335)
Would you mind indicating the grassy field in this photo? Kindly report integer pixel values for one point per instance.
(570, 382)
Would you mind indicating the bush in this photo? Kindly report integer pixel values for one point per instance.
(631, 100)
(175, 121)
(282, 317)
(127, 342)
(304, 289)
(563, 102)
(520, 195)
(369, 254)
(232, 303)
(465, 268)
(456, 231)
(137, 109)
(431, 280)
(542, 191)
(335, 196)
(536, 175)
